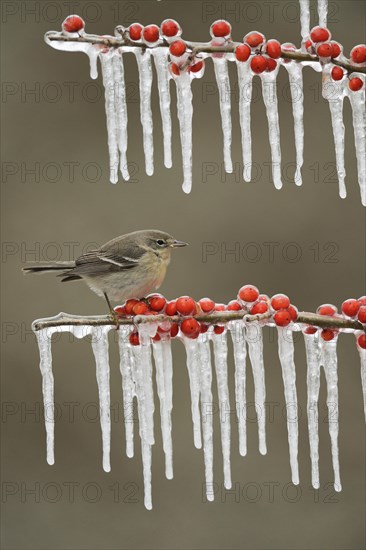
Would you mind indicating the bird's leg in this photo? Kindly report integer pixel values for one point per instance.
(111, 311)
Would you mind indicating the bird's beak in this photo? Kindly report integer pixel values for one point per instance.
(178, 243)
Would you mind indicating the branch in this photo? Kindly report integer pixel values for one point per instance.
(196, 47)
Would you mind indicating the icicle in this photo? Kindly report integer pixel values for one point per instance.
(121, 112)
(329, 361)
(185, 115)
(323, 12)
(223, 85)
(245, 78)
(240, 354)
(161, 65)
(144, 331)
(255, 347)
(357, 100)
(270, 100)
(286, 355)
(362, 353)
(100, 350)
(109, 90)
(206, 411)
(194, 383)
(128, 387)
(92, 51)
(297, 99)
(145, 78)
(313, 384)
(45, 352)
(164, 371)
(220, 353)
(305, 17)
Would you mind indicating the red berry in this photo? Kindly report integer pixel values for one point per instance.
(204, 328)
(361, 341)
(282, 318)
(324, 50)
(362, 314)
(288, 47)
(273, 49)
(263, 298)
(271, 65)
(196, 67)
(73, 23)
(259, 307)
(157, 302)
(258, 64)
(233, 305)
(358, 54)
(120, 311)
(327, 334)
(254, 39)
(129, 305)
(248, 293)
(174, 329)
(293, 312)
(327, 309)
(220, 28)
(337, 73)
(171, 308)
(242, 52)
(177, 48)
(320, 34)
(190, 327)
(140, 308)
(310, 330)
(350, 307)
(219, 329)
(309, 45)
(220, 307)
(336, 49)
(151, 33)
(362, 300)
(280, 301)
(207, 305)
(135, 31)
(186, 305)
(169, 27)
(134, 338)
(355, 84)
(156, 338)
(175, 69)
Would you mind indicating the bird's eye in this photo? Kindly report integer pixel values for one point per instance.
(160, 242)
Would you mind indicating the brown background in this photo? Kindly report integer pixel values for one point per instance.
(44, 128)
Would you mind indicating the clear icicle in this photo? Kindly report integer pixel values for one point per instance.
(146, 380)
(323, 12)
(245, 78)
(223, 85)
(286, 355)
(100, 350)
(255, 348)
(330, 364)
(185, 115)
(220, 354)
(270, 100)
(357, 100)
(145, 79)
(240, 354)
(297, 99)
(91, 50)
(206, 411)
(106, 60)
(128, 388)
(192, 352)
(164, 370)
(362, 353)
(161, 65)
(305, 17)
(313, 360)
(45, 365)
(121, 112)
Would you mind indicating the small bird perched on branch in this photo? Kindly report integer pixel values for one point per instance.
(130, 266)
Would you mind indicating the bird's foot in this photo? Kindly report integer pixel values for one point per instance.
(114, 318)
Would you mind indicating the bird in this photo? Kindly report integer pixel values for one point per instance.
(129, 266)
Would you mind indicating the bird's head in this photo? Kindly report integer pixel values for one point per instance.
(160, 243)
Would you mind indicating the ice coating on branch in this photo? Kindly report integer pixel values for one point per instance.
(164, 372)
(45, 365)
(143, 58)
(269, 91)
(245, 78)
(362, 353)
(330, 365)
(297, 96)
(128, 387)
(323, 12)
(313, 360)
(255, 348)
(220, 354)
(121, 112)
(240, 354)
(305, 17)
(206, 411)
(357, 100)
(161, 64)
(109, 83)
(100, 350)
(92, 51)
(223, 85)
(185, 115)
(193, 361)
(286, 355)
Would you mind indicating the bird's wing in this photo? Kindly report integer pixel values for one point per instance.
(114, 256)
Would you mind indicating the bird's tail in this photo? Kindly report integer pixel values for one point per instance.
(47, 268)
